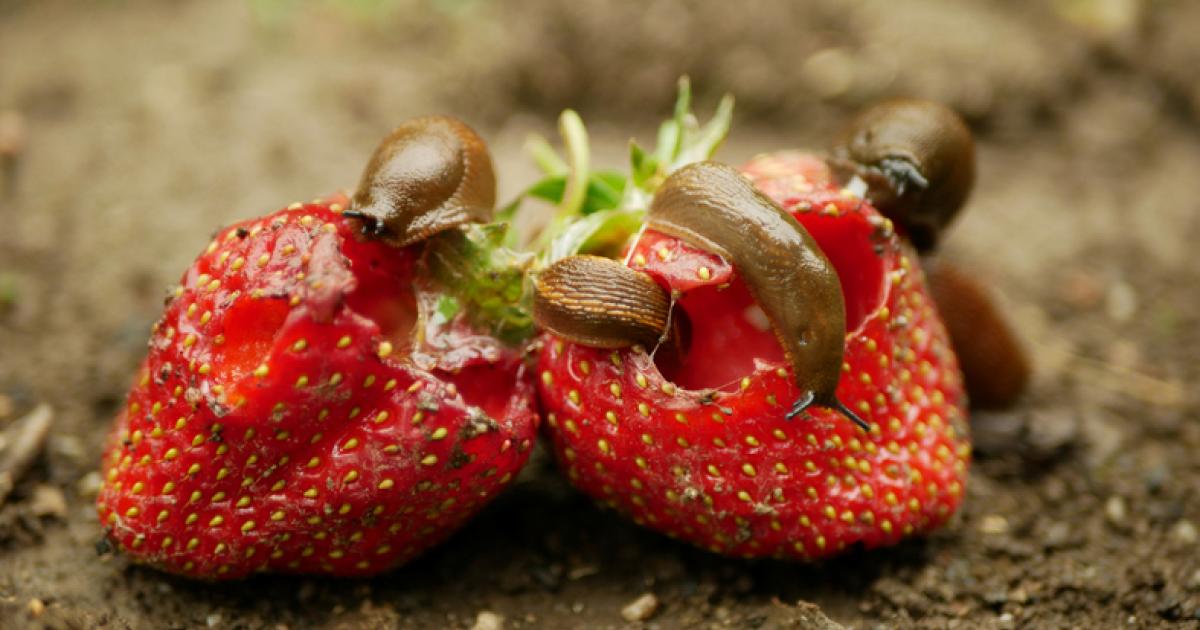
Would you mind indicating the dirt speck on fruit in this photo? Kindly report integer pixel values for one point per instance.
(142, 127)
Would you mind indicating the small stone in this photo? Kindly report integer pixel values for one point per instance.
(1050, 432)
(89, 485)
(1184, 532)
(213, 620)
(580, 572)
(488, 620)
(1057, 535)
(996, 598)
(994, 525)
(48, 501)
(36, 607)
(1193, 582)
(641, 608)
(1006, 621)
(1121, 303)
(1114, 511)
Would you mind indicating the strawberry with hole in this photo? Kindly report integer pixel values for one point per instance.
(333, 387)
(760, 371)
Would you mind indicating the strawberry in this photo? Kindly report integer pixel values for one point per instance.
(315, 400)
(692, 437)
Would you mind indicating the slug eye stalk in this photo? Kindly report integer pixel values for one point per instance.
(917, 159)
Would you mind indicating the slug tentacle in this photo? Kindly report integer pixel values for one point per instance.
(430, 174)
(917, 158)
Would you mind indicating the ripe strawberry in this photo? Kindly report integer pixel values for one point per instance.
(695, 443)
(313, 401)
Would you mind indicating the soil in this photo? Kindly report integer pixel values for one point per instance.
(147, 125)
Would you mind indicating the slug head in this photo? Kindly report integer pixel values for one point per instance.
(917, 158)
(428, 175)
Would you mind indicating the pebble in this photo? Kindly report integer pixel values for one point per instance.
(1121, 303)
(48, 501)
(36, 607)
(1114, 510)
(1006, 621)
(1194, 581)
(641, 608)
(994, 524)
(1057, 535)
(488, 620)
(213, 620)
(89, 485)
(1184, 532)
(1049, 433)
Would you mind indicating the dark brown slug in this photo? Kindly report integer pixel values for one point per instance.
(430, 174)
(995, 368)
(917, 158)
(601, 303)
(713, 207)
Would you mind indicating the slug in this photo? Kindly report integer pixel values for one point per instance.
(712, 207)
(601, 303)
(996, 370)
(917, 159)
(430, 174)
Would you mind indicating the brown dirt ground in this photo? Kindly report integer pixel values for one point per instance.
(149, 124)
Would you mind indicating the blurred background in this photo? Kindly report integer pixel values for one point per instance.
(129, 131)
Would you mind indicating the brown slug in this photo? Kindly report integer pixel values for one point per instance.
(995, 367)
(601, 303)
(917, 158)
(428, 175)
(713, 207)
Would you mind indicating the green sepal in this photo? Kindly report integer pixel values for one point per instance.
(483, 279)
(603, 233)
(596, 210)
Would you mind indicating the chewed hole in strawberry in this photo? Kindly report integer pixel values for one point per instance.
(250, 329)
(728, 336)
(394, 311)
(487, 386)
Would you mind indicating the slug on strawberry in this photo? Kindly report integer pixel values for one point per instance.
(320, 400)
(430, 174)
(712, 207)
(917, 160)
(692, 437)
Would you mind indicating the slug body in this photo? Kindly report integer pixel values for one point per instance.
(917, 158)
(430, 174)
(712, 207)
(996, 370)
(601, 303)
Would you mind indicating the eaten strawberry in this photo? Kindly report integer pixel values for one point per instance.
(689, 433)
(319, 400)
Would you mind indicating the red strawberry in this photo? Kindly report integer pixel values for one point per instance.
(697, 446)
(310, 405)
